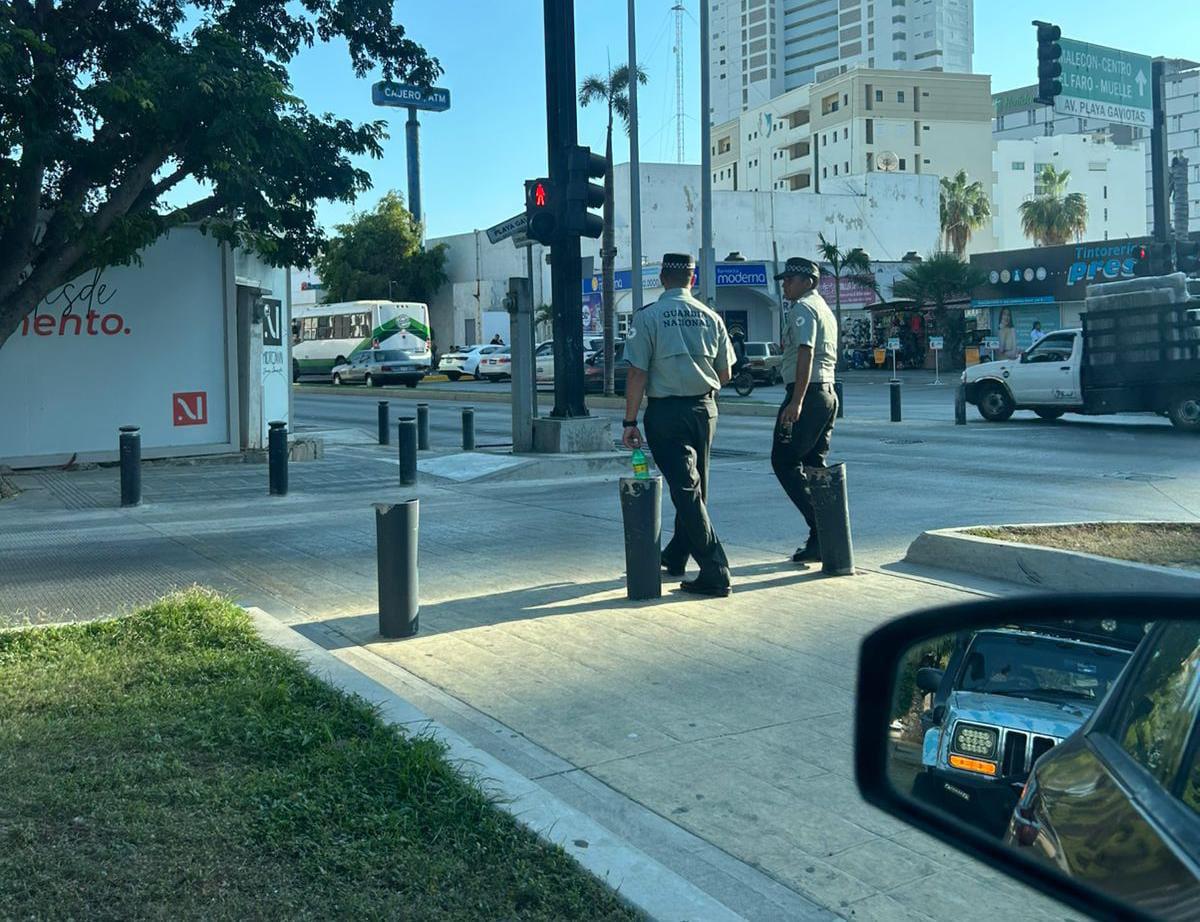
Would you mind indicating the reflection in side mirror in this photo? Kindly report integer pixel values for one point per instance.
(1063, 746)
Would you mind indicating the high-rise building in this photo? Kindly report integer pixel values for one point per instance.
(1017, 114)
(760, 49)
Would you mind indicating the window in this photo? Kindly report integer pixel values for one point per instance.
(1161, 702)
(846, 134)
(870, 128)
(1106, 192)
(899, 95)
(869, 98)
(1018, 164)
(824, 139)
(846, 168)
(879, 95)
(835, 168)
(902, 167)
(824, 172)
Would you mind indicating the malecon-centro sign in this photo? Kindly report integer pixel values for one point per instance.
(1105, 83)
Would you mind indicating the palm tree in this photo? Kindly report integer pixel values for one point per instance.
(853, 264)
(543, 320)
(1051, 218)
(964, 208)
(932, 283)
(614, 91)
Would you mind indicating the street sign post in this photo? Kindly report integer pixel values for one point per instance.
(937, 344)
(408, 96)
(893, 345)
(506, 229)
(1105, 83)
(405, 95)
(991, 343)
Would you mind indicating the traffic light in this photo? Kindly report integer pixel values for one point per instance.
(1187, 256)
(1151, 259)
(541, 211)
(1049, 67)
(582, 167)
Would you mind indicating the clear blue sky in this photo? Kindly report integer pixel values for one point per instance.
(475, 156)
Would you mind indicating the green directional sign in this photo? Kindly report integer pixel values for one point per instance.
(1105, 83)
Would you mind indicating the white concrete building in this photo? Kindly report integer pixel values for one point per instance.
(886, 214)
(858, 123)
(1017, 115)
(760, 49)
(1107, 174)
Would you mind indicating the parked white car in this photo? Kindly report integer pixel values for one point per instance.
(465, 361)
(494, 366)
(543, 356)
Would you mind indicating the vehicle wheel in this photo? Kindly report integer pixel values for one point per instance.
(454, 375)
(295, 371)
(1049, 412)
(369, 381)
(743, 384)
(337, 379)
(994, 404)
(411, 382)
(1184, 413)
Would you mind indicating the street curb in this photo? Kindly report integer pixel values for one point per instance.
(729, 406)
(1047, 568)
(638, 879)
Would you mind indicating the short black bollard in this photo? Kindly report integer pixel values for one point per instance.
(894, 387)
(960, 405)
(837, 390)
(423, 427)
(827, 486)
(396, 563)
(384, 425)
(277, 458)
(641, 511)
(131, 465)
(406, 438)
(468, 423)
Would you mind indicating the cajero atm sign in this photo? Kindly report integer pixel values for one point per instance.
(126, 345)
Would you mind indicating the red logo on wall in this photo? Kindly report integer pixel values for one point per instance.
(190, 408)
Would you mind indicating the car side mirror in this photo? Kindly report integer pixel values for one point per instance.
(1025, 763)
(929, 680)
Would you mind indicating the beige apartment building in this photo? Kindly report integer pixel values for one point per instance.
(811, 139)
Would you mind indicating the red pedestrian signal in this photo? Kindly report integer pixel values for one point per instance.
(541, 207)
(539, 195)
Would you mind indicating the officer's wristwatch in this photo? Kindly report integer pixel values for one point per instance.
(629, 423)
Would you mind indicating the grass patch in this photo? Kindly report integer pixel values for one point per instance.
(1162, 544)
(172, 765)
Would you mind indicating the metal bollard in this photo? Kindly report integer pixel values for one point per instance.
(894, 387)
(837, 390)
(641, 511)
(827, 486)
(423, 427)
(384, 424)
(468, 428)
(277, 458)
(130, 442)
(396, 535)
(406, 438)
(960, 405)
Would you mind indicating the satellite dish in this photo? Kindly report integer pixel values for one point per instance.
(887, 161)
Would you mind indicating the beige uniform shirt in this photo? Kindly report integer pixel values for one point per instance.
(810, 322)
(681, 344)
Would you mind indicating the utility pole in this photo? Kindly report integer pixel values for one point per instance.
(635, 171)
(708, 265)
(1158, 152)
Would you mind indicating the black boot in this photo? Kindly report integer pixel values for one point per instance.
(810, 553)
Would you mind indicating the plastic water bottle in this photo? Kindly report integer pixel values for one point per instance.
(641, 469)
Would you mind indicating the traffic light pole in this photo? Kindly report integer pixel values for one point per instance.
(1158, 152)
(566, 277)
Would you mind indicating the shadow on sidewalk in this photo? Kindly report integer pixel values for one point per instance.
(551, 600)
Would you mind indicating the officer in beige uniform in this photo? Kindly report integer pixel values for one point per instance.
(680, 355)
(804, 425)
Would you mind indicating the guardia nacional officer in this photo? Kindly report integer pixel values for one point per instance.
(680, 355)
(804, 425)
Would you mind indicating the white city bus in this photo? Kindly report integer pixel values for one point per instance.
(329, 334)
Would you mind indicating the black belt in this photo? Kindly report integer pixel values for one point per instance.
(707, 395)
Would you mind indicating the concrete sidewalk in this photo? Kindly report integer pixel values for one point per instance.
(714, 735)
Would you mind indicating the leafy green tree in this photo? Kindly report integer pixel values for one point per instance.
(853, 264)
(964, 208)
(1053, 216)
(110, 110)
(936, 281)
(378, 255)
(613, 90)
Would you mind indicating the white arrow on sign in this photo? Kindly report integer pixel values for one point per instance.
(1141, 82)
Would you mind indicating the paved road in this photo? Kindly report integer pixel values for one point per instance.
(904, 477)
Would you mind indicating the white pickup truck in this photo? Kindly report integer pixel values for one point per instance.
(1138, 351)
